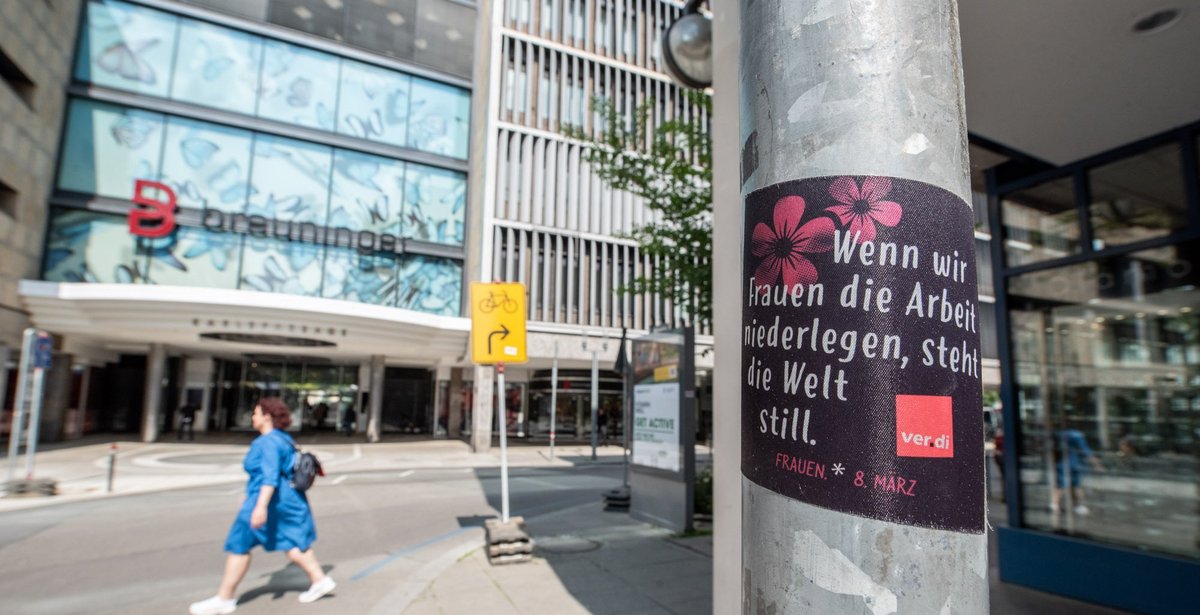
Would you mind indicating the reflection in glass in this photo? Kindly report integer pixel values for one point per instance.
(85, 246)
(1137, 198)
(296, 86)
(365, 278)
(1107, 366)
(385, 26)
(440, 119)
(373, 103)
(429, 284)
(291, 180)
(127, 47)
(367, 193)
(434, 204)
(1041, 223)
(273, 266)
(107, 147)
(207, 165)
(195, 257)
(216, 67)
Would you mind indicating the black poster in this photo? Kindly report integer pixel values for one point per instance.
(860, 335)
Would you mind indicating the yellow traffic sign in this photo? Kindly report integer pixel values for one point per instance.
(498, 322)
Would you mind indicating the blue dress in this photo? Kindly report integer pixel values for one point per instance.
(289, 519)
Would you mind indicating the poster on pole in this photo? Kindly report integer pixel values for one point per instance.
(657, 402)
(860, 350)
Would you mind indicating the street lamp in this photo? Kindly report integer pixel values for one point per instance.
(687, 48)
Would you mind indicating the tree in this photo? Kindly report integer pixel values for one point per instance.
(670, 167)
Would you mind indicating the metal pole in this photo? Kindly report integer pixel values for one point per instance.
(35, 419)
(4, 354)
(846, 107)
(18, 418)
(626, 399)
(503, 443)
(553, 398)
(595, 400)
(112, 467)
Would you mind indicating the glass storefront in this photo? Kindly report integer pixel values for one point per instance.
(321, 395)
(1105, 351)
(145, 51)
(227, 173)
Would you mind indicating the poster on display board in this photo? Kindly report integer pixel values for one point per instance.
(658, 401)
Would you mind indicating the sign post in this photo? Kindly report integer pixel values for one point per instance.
(43, 356)
(497, 338)
(18, 418)
(553, 398)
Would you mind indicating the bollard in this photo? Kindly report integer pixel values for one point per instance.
(112, 466)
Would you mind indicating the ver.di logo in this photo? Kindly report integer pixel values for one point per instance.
(924, 426)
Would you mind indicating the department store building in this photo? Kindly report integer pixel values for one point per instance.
(289, 198)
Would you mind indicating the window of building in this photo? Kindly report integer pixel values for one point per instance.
(106, 147)
(16, 79)
(1105, 357)
(8, 200)
(295, 86)
(149, 52)
(236, 171)
(1041, 223)
(1137, 198)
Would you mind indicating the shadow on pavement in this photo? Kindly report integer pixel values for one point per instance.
(289, 579)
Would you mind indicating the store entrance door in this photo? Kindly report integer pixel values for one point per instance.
(319, 394)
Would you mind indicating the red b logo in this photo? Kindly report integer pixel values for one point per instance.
(151, 217)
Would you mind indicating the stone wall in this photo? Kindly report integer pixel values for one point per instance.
(37, 40)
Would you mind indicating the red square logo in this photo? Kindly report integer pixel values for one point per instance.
(924, 426)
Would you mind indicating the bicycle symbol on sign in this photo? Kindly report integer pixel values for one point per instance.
(495, 300)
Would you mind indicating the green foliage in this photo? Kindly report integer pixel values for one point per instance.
(670, 167)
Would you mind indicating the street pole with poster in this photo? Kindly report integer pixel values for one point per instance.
(663, 461)
(498, 338)
(862, 441)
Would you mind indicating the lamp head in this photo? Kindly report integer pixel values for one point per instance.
(687, 48)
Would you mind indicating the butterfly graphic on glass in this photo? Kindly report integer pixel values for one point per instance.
(125, 59)
(133, 131)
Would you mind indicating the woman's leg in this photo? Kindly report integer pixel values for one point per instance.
(235, 569)
(307, 561)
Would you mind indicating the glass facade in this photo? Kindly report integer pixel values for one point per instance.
(304, 186)
(1105, 372)
(436, 33)
(145, 51)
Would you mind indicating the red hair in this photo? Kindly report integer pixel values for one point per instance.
(281, 415)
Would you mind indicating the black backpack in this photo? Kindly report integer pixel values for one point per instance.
(305, 469)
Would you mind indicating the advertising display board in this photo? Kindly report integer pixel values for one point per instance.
(662, 464)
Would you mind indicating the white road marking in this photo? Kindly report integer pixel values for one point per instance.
(405, 473)
(234, 491)
(341, 479)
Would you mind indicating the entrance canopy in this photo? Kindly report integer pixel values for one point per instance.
(99, 321)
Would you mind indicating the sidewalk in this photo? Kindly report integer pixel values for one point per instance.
(591, 561)
(81, 468)
(586, 560)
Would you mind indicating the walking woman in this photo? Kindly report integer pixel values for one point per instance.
(273, 515)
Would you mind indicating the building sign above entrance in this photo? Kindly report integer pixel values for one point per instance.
(154, 216)
(151, 217)
(497, 322)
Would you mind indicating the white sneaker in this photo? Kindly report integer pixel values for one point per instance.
(1082, 510)
(318, 589)
(213, 606)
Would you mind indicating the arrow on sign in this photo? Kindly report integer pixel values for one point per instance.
(503, 333)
